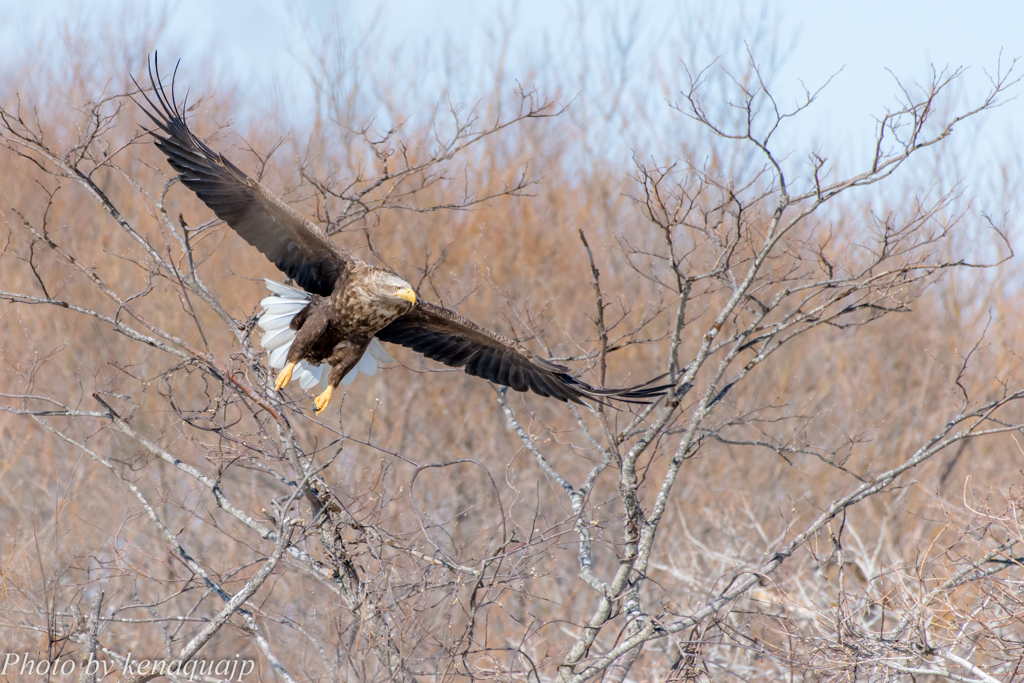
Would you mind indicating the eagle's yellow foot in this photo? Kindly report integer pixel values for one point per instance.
(284, 377)
(321, 401)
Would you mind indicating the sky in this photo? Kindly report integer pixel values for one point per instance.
(863, 46)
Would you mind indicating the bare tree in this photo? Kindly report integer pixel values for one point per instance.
(249, 525)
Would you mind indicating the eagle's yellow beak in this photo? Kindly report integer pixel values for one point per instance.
(407, 294)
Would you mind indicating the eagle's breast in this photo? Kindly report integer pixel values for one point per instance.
(361, 311)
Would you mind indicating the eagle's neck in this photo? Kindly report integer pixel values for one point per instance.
(362, 307)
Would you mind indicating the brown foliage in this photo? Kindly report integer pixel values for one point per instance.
(813, 501)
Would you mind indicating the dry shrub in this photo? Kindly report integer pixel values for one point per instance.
(811, 501)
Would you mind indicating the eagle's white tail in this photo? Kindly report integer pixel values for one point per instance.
(278, 311)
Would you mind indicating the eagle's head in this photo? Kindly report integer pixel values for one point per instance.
(393, 289)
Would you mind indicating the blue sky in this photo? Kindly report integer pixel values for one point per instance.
(263, 42)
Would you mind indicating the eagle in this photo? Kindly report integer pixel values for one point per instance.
(328, 329)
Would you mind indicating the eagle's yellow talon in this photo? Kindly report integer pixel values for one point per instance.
(284, 377)
(321, 401)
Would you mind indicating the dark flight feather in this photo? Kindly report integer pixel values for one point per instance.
(447, 337)
(293, 243)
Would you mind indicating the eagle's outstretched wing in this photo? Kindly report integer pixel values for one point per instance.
(447, 337)
(293, 243)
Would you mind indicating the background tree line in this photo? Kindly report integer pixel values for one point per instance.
(831, 490)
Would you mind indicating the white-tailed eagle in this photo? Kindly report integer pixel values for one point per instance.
(345, 304)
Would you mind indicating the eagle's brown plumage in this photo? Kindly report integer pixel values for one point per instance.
(352, 301)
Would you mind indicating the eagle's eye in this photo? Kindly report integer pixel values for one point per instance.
(405, 292)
